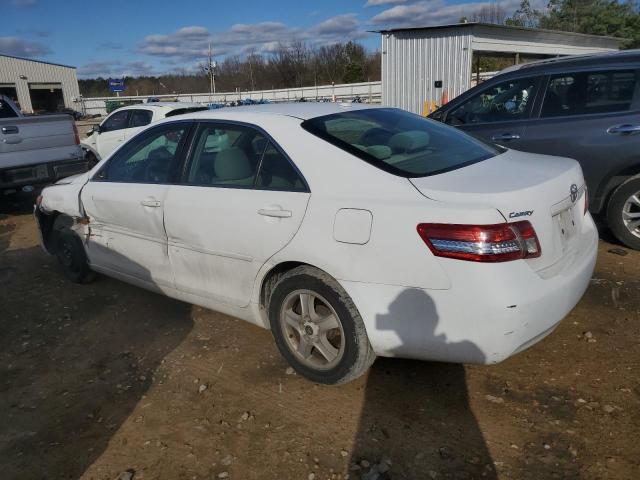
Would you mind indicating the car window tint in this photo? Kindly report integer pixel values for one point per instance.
(510, 100)
(6, 111)
(147, 159)
(117, 121)
(583, 93)
(182, 111)
(225, 155)
(277, 173)
(400, 142)
(140, 118)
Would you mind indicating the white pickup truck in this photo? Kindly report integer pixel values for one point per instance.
(36, 150)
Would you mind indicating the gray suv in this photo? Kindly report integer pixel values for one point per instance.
(585, 107)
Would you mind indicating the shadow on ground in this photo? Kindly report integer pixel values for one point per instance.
(74, 362)
(425, 401)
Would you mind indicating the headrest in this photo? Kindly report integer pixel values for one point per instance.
(409, 141)
(232, 164)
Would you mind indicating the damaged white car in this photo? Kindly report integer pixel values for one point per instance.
(349, 231)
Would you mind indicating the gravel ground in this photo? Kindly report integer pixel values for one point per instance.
(107, 381)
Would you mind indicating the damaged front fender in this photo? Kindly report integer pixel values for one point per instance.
(60, 206)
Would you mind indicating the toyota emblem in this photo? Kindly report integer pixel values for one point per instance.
(573, 193)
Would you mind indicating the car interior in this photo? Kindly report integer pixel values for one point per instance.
(232, 157)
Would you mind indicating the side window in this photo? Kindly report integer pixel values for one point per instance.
(510, 100)
(117, 121)
(140, 118)
(147, 159)
(277, 173)
(583, 93)
(6, 111)
(225, 155)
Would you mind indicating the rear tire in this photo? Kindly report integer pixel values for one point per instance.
(623, 213)
(71, 256)
(325, 341)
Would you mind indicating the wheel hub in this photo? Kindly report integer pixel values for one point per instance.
(312, 329)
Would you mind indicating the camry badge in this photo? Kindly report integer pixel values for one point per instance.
(574, 193)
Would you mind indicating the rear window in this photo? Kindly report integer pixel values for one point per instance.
(400, 142)
(182, 111)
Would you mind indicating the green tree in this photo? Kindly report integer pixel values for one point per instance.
(596, 17)
(525, 16)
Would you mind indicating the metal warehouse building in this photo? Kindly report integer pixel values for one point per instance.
(423, 66)
(39, 86)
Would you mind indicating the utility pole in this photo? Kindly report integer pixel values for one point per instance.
(212, 79)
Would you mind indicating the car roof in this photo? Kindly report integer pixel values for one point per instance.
(163, 105)
(300, 110)
(627, 57)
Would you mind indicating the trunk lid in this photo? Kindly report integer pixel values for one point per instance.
(544, 190)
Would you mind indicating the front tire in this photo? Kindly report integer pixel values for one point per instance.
(72, 257)
(317, 327)
(623, 213)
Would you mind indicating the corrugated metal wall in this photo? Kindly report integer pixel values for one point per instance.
(412, 61)
(11, 69)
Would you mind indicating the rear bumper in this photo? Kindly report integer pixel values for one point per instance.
(492, 311)
(40, 174)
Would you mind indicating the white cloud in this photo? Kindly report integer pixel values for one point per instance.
(375, 3)
(435, 12)
(115, 68)
(192, 43)
(22, 48)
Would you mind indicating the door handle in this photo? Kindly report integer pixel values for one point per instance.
(10, 130)
(625, 129)
(505, 136)
(150, 202)
(277, 213)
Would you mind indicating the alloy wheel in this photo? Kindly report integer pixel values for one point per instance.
(312, 329)
(631, 214)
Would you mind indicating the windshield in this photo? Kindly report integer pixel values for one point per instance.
(400, 142)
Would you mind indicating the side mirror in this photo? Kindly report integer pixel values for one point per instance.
(94, 129)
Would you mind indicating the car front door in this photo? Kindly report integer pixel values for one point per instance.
(592, 116)
(125, 201)
(498, 113)
(111, 135)
(240, 201)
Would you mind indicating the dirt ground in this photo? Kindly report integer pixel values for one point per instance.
(99, 379)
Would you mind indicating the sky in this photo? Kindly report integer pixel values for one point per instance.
(147, 37)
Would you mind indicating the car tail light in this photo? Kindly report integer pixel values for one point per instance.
(75, 134)
(481, 243)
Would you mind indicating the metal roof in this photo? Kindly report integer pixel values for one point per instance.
(36, 61)
(493, 25)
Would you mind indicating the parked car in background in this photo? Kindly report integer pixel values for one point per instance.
(124, 123)
(584, 107)
(349, 231)
(36, 149)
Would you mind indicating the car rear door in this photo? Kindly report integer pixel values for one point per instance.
(138, 119)
(593, 116)
(125, 205)
(497, 113)
(240, 201)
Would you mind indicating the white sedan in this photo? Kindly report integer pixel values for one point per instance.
(349, 231)
(126, 122)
